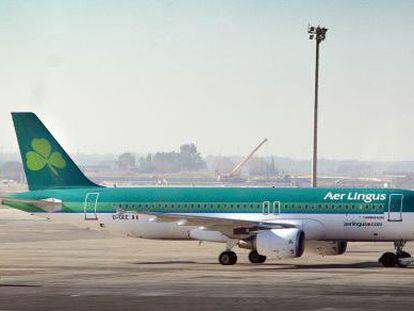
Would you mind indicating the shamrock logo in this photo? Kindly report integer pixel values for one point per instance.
(42, 155)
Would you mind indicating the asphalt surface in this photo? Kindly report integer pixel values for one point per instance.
(52, 266)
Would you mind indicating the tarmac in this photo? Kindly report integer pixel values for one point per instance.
(52, 266)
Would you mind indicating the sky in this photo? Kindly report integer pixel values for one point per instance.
(145, 76)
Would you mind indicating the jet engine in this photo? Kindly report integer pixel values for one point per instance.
(280, 243)
(326, 248)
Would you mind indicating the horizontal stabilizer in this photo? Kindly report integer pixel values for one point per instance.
(49, 205)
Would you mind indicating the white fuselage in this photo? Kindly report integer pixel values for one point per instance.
(350, 227)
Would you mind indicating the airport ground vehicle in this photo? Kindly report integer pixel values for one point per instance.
(271, 222)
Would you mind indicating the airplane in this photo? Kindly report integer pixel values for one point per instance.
(274, 223)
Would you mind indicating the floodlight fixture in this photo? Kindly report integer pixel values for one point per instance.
(318, 34)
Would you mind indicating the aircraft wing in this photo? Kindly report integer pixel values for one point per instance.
(225, 225)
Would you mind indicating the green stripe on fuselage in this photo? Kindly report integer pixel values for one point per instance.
(227, 200)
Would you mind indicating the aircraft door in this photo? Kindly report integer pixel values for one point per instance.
(89, 206)
(395, 207)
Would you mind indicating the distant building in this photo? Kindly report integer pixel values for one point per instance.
(12, 170)
(126, 161)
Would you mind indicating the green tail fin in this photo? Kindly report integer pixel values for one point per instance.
(45, 162)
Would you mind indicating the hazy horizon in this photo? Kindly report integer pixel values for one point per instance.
(108, 77)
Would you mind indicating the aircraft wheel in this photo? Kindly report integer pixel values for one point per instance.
(228, 258)
(388, 259)
(255, 257)
(402, 254)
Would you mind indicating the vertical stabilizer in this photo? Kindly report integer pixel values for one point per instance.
(45, 162)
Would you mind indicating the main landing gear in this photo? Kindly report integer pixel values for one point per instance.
(390, 259)
(255, 257)
(227, 258)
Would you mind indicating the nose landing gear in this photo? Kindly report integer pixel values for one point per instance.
(389, 259)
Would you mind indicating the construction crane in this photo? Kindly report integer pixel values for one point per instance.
(236, 170)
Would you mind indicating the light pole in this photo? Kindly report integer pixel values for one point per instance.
(318, 34)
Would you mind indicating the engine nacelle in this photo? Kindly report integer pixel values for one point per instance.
(280, 243)
(326, 248)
